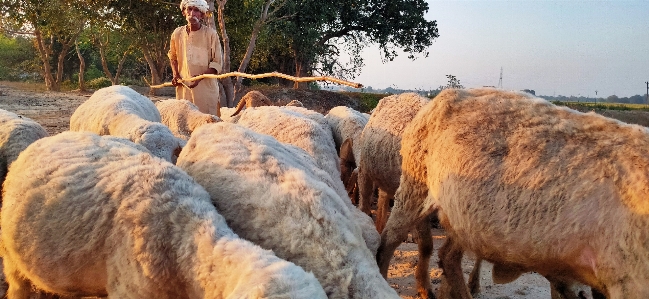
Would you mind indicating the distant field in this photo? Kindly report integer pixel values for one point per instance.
(603, 106)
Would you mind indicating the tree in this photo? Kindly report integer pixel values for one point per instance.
(55, 26)
(320, 31)
(453, 82)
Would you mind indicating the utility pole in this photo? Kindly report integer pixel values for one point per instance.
(647, 97)
(500, 81)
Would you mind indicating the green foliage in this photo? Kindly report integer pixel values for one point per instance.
(453, 82)
(318, 32)
(98, 83)
(368, 101)
(17, 58)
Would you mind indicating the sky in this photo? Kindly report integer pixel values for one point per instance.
(569, 48)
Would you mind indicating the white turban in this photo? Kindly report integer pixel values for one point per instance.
(200, 4)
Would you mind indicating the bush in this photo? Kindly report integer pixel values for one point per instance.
(98, 83)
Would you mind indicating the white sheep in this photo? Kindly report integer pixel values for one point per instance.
(528, 186)
(183, 117)
(380, 142)
(346, 126)
(16, 133)
(276, 196)
(86, 215)
(121, 111)
(309, 131)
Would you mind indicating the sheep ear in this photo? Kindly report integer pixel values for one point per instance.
(502, 273)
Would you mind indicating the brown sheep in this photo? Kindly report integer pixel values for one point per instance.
(528, 186)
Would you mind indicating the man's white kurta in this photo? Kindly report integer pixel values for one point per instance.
(195, 52)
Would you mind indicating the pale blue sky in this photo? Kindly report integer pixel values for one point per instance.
(553, 47)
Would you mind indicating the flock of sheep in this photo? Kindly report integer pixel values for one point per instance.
(144, 200)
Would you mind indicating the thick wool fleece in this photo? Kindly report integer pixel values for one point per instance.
(276, 196)
(380, 142)
(86, 215)
(16, 133)
(121, 111)
(183, 117)
(347, 123)
(532, 186)
(309, 131)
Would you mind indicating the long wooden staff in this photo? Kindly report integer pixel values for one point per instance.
(273, 74)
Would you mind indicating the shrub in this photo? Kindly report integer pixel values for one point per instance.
(98, 83)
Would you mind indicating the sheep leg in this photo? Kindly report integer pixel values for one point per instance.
(396, 230)
(474, 278)
(383, 209)
(19, 287)
(560, 290)
(450, 260)
(425, 246)
(352, 187)
(365, 186)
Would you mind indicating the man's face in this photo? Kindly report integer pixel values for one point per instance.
(192, 14)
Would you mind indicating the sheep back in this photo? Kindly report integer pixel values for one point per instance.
(121, 111)
(95, 216)
(183, 117)
(529, 185)
(16, 133)
(276, 196)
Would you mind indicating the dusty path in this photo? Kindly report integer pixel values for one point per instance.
(53, 110)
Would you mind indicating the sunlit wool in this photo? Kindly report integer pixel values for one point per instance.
(121, 111)
(16, 133)
(346, 124)
(276, 196)
(86, 215)
(183, 117)
(529, 186)
(379, 143)
(309, 131)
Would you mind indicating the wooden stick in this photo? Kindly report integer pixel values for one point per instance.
(273, 74)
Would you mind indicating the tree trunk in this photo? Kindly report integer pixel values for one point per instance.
(104, 62)
(120, 66)
(156, 78)
(44, 53)
(82, 68)
(60, 63)
(300, 71)
(227, 83)
(251, 48)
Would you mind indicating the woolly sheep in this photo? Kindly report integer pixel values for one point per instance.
(252, 99)
(16, 133)
(121, 111)
(346, 126)
(183, 117)
(528, 186)
(309, 131)
(86, 215)
(380, 141)
(275, 195)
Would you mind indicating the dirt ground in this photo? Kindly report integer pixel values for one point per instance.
(53, 110)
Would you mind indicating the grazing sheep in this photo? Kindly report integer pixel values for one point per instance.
(346, 126)
(183, 117)
(276, 196)
(528, 186)
(309, 131)
(16, 133)
(86, 215)
(380, 141)
(252, 99)
(121, 111)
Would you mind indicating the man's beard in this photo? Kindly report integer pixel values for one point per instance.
(191, 19)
